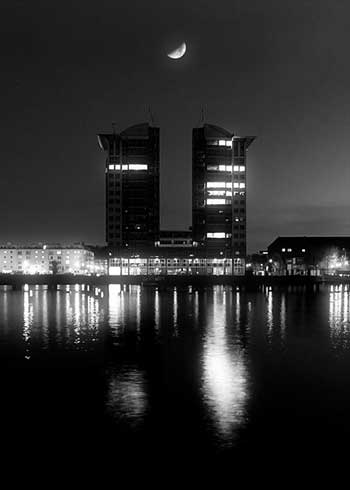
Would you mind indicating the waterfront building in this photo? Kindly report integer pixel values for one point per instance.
(219, 194)
(170, 260)
(132, 188)
(259, 264)
(46, 259)
(310, 255)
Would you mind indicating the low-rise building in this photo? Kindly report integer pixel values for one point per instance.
(170, 261)
(46, 259)
(310, 255)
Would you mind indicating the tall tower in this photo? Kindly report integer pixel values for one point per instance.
(132, 187)
(219, 193)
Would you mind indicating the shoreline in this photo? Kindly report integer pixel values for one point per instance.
(17, 281)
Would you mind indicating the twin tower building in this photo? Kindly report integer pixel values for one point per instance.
(219, 195)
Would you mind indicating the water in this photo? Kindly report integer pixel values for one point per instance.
(139, 374)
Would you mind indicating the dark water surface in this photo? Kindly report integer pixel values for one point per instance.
(135, 374)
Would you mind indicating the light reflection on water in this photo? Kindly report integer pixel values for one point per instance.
(339, 316)
(225, 386)
(28, 314)
(127, 396)
(69, 318)
(208, 344)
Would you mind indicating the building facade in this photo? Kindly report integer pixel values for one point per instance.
(310, 255)
(175, 238)
(132, 187)
(46, 259)
(219, 193)
(170, 262)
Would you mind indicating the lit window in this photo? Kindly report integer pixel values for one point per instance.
(283, 249)
(225, 143)
(111, 167)
(289, 249)
(216, 193)
(216, 235)
(242, 168)
(220, 168)
(242, 185)
(137, 166)
(236, 185)
(211, 202)
(215, 184)
(236, 168)
(303, 250)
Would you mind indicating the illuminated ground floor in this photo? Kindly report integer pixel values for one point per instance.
(134, 266)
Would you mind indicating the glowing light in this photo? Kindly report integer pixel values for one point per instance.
(131, 166)
(213, 202)
(114, 271)
(225, 143)
(216, 235)
(138, 167)
(218, 185)
(216, 193)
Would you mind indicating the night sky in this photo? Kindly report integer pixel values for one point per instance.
(276, 69)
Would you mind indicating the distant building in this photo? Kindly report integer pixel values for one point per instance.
(310, 255)
(46, 259)
(258, 264)
(219, 160)
(100, 259)
(132, 187)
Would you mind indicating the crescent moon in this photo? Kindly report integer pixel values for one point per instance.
(178, 52)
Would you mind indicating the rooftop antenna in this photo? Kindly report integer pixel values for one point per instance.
(150, 115)
(114, 136)
(202, 117)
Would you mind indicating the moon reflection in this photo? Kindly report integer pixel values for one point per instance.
(127, 396)
(224, 372)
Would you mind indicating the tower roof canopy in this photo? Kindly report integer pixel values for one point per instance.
(211, 131)
(138, 130)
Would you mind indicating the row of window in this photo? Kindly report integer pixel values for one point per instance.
(290, 250)
(218, 202)
(227, 143)
(131, 166)
(224, 235)
(218, 235)
(225, 185)
(226, 168)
